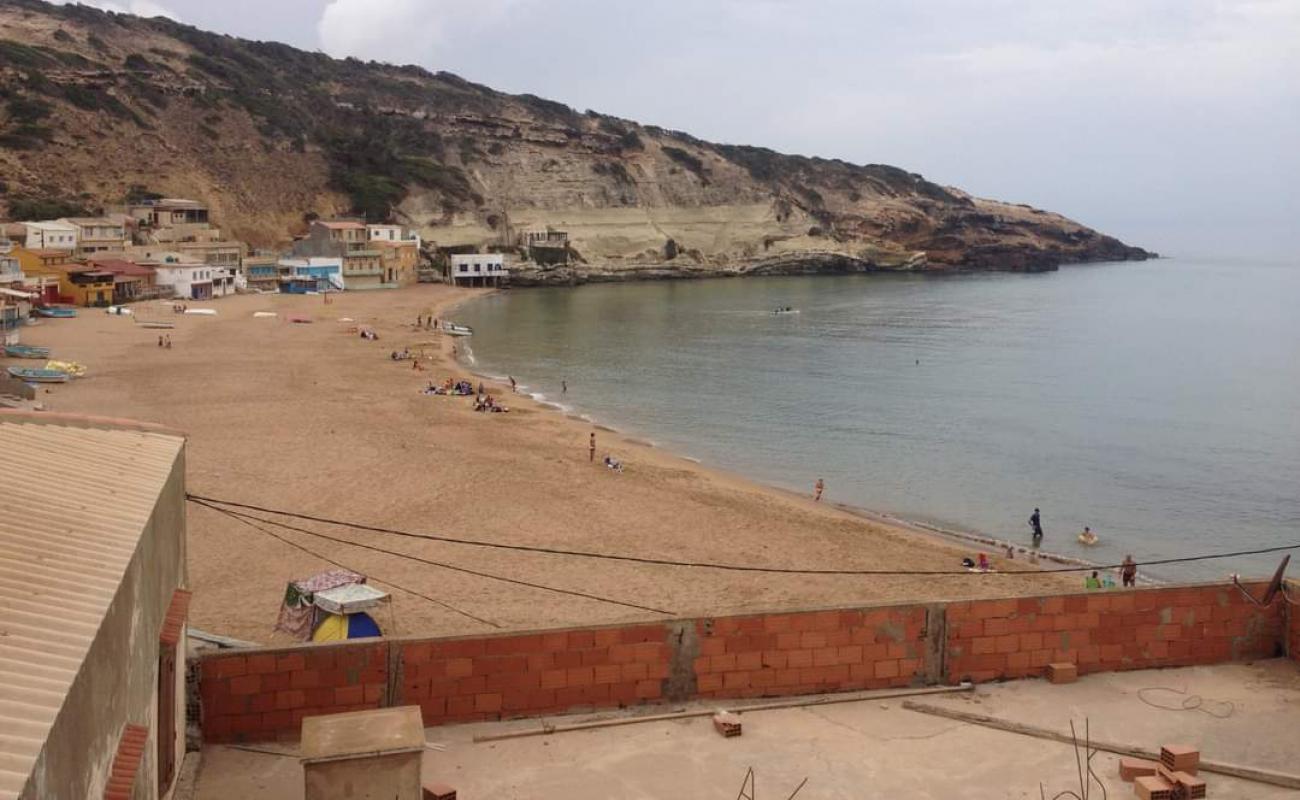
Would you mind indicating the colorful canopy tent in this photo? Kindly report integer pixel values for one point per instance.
(299, 614)
(336, 627)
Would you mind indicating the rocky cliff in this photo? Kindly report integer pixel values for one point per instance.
(96, 108)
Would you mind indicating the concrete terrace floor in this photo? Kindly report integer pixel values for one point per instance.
(862, 749)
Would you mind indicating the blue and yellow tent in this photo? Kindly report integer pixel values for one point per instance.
(336, 627)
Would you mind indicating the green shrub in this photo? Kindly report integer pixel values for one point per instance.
(24, 209)
(687, 160)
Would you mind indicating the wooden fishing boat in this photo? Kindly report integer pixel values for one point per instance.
(57, 312)
(39, 375)
(26, 351)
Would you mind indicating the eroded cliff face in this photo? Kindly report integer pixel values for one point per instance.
(96, 106)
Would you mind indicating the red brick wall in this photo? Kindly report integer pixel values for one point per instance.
(264, 694)
(806, 653)
(463, 680)
(1106, 631)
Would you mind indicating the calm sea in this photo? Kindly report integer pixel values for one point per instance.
(1158, 402)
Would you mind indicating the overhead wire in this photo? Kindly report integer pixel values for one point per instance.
(716, 565)
(478, 573)
(340, 565)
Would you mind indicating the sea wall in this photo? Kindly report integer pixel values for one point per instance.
(264, 693)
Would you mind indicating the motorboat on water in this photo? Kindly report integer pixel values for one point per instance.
(452, 329)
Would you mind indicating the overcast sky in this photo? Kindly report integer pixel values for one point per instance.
(1174, 124)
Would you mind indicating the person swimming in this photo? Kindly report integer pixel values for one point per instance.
(1088, 537)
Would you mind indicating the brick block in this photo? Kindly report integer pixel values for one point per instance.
(1180, 758)
(727, 724)
(1192, 787)
(438, 791)
(1150, 787)
(261, 663)
(245, 684)
(487, 703)
(1062, 672)
(1132, 768)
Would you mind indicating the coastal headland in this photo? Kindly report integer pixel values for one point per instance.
(315, 419)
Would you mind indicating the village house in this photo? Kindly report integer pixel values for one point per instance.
(262, 272)
(11, 272)
(350, 241)
(15, 300)
(546, 246)
(131, 280)
(478, 269)
(50, 235)
(46, 272)
(185, 227)
(98, 235)
(93, 666)
(313, 274)
(171, 218)
(187, 280)
(399, 262)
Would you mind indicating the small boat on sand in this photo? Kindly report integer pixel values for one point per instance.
(39, 375)
(57, 312)
(26, 351)
(153, 325)
(452, 329)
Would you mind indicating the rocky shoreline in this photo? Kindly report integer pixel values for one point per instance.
(986, 259)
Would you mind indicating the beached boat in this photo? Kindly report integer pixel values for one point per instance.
(201, 312)
(26, 351)
(58, 312)
(452, 329)
(154, 325)
(39, 375)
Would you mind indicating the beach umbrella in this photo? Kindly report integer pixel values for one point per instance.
(337, 627)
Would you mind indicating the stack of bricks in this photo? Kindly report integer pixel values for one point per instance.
(805, 653)
(1173, 777)
(265, 694)
(1107, 631)
(126, 763)
(463, 680)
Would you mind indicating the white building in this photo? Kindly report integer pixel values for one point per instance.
(98, 234)
(478, 269)
(315, 273)
(192, 281)
(391, 233)
(51, 235)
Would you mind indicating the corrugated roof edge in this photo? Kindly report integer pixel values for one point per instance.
(88, 421)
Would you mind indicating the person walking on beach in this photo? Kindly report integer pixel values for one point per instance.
(1036, 522)
(168, 345)
(513, 385)
(564, 387)
(160, 341)
(818, 488)
(1128, 571)
(591, 448)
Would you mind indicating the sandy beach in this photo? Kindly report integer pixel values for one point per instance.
(312, 418)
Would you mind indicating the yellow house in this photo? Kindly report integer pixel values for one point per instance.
(78, 283)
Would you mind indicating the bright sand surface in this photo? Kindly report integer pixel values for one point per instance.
(312, 418)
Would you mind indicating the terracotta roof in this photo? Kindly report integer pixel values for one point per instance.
(119, 266)
(46, 253)
(67, 535)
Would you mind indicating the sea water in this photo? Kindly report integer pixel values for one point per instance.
(1157, 403)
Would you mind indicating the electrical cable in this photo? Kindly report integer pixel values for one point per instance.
(719, 566)
(430, 562)
(329, 560)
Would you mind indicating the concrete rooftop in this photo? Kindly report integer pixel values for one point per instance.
(862, 749)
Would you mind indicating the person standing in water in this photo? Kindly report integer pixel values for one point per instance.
(1128, 571)
(818, 488)
(513, 385)
(591, 447)
(1036, 522)
(564, 387)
